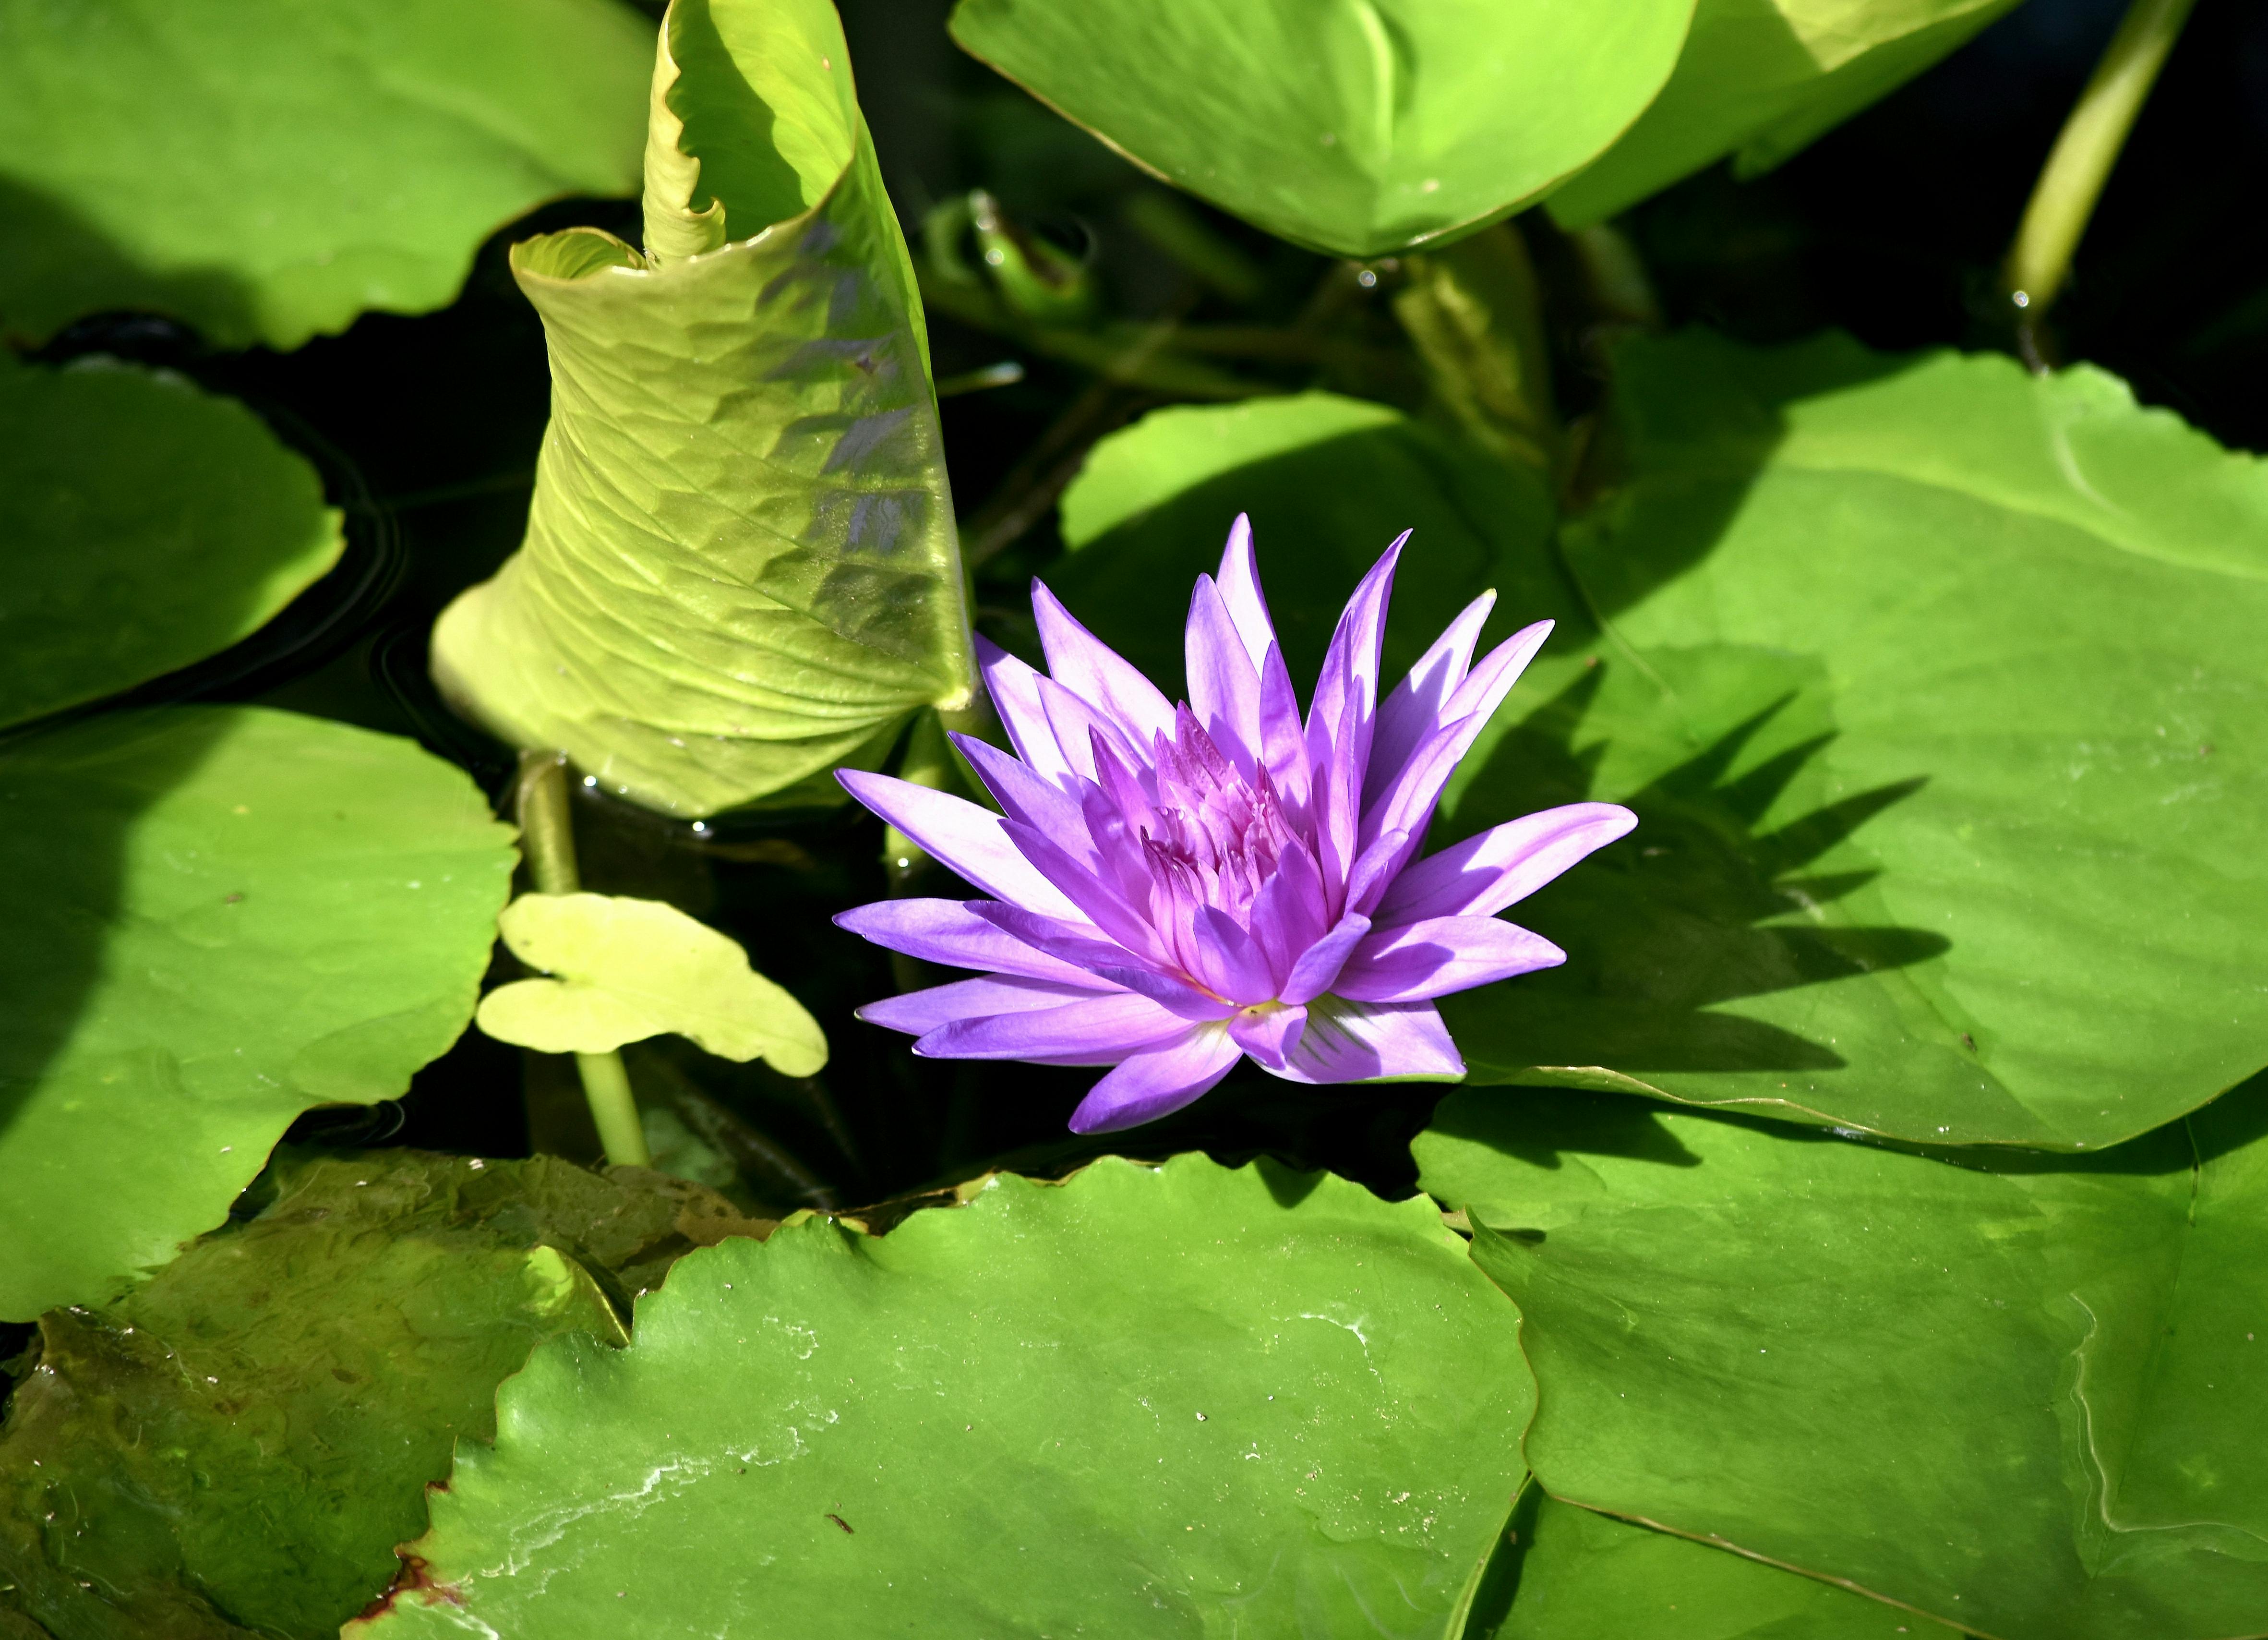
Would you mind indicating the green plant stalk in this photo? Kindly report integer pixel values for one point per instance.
(1475, 314)
(546, 839)
(2064, 198)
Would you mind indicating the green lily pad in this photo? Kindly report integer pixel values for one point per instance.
(148, 525)
(237, 1446)
(1360, 129)
(629, 969)
(1934, 686)
(1765, 78)
(741, 568)
(267, 171)
(2020, 1397)
(219, 918)
(1572, 1574)
(1143, 1402)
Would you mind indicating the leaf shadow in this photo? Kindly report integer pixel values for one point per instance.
(60, 267)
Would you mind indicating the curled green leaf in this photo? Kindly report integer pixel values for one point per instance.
(624, 969)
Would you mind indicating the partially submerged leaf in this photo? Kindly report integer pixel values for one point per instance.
(217, 918)
(2023, 1397)
(625, 970)
(237, 1446)
(1186, 1401)
(266, 171)
(1359, 129)
(1764, 79)
(1934, 686)
(741, 569)
(146, 526)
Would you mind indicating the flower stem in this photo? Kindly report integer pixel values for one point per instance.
(546, 837)
(2072, 180)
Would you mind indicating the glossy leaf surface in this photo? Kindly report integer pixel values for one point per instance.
(237, 1446)
(267, 170)
(218, 917)
(2021, 1398)
(625, 970)
(147, 525)
(1359, 129)
(1763, 78)
(1174, 1402)
(740, 567)
(1935, 687)
(1571, 1574)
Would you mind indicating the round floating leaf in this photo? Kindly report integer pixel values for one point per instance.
(217, 918)
(629, 969)
(1571, 1574)
(1143, 1402)
(1359, 129)
(1935, 687)
(267, 170)
(147, 526)
(240, 1444)
(2023, 1398)
(1765, 78)
(741, 568)
(1329, 483)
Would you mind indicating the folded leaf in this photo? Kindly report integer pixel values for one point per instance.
(217, 918)
(1187, 1401)
(740, 567)
(1764, 79)
(1360, 129)
(267, 170)
(2023, 1396)
(237, 1447)
(629, 969)
(147, 525)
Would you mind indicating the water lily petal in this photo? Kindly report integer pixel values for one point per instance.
(952, 933)
(1079, 945)
(1233, 965)
(971, 842)
(1268, 1035)
(1240, 591)
(1098, 674)
(1422, 960)
(919, 1012)
(1320, 964)
(1501, 865)
(1406, 801)
(1028, 799)
(1224, 684)
(1356, 1041)
(1087, 1030)
(1415, 707)
(1083, 895)
(1014, 688)
(1158, 1081)
(1289, 914)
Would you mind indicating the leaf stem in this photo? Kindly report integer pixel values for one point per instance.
(2072, 180)
(547, 839)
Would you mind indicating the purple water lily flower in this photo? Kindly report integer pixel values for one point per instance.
(1172, 887)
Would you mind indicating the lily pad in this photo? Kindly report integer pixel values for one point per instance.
(147, 525)
(629, 969)
(2021, 1397)
(1143, 1402)
(1765, 78)
(219, 918)
(1914, 856)
(1360, 129)
(266, 171)
(741, 568)
(237, 1447)
(1572, 1574)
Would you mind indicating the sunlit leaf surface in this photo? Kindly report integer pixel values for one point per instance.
(1935, 687)
(1761, 78)
(741, 568)
(217, 918)
(146, 525)
(267, 169)
(1176, 1402)
(1361, 128)
(237, 1446)
(2021, 1397)
(624, 969)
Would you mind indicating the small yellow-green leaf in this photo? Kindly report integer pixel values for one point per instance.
(624, 969)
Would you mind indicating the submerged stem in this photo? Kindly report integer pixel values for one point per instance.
(547, 838)
(2072, 180)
